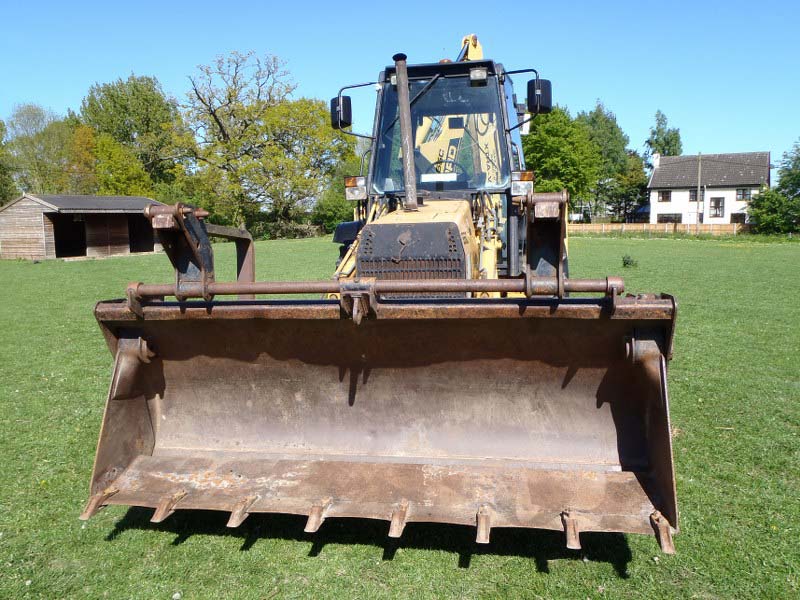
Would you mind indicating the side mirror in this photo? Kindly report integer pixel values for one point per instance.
(540, 96)
(341, 114)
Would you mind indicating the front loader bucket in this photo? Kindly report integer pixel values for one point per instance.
(493, 413)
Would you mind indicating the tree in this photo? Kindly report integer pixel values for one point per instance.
(777, 210)
(333, 208)
(82, 166)
(629, 187)
(8, 189)
(609, 137)
(270, 155)
(771, 211)
(562, 154)
(39, 148)
(136, 113)
(118, 170)
(789, 172)
(663, 140)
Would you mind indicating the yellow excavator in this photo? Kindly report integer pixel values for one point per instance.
(451, 371)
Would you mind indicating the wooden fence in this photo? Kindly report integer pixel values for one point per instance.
(660, 228)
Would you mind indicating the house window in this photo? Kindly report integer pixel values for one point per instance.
(717, 207)
(670, 218)
(743, 194)
(693, 195)
(738, 217)
(664, 196)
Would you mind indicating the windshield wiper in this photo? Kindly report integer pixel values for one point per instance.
(424, 89)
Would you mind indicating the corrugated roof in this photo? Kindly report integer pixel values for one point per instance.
(112, 204)
(717, 170)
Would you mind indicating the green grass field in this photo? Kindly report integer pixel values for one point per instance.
(735, 392)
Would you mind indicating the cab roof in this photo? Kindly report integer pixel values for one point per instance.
(445, 69)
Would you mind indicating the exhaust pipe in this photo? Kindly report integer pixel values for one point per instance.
(406, 140)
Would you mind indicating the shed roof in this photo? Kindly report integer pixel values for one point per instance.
(717, 170)
(94, 204)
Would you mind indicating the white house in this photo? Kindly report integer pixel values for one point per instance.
(727, 182)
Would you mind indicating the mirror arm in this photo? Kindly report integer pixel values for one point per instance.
(523, 71)
(339, 109)
(521, 123)
(364, 156)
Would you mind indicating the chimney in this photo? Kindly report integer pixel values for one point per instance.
(655, 159)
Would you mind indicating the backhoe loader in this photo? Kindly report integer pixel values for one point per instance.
(450, 372)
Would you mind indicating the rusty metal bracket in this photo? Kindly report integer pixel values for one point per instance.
(642, 345)
(612, 297)
(131, 354)
(134, 300)
(184, 235)
(358, 298)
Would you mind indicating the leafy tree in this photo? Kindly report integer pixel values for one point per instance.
(39, 148)
(82, 165)
(778, 210)
(118, 170)
(629, 189)
(609, 137)
(269, 155)
(562, 154)
(771, 211)
(663, 140)
(136, 113)
(333, 208)
(789, 172)
(8, 189)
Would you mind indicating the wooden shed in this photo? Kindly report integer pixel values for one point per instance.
(59, 226)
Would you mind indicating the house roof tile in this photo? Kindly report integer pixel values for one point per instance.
(717, 170)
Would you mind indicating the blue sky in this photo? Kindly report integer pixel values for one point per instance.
(726, 73)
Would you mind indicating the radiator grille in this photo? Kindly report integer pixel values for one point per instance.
(414, 268)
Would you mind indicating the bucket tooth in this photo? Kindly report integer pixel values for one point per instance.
(484, 525)
(399, 516)
(315, 518)
(96, 502)
(239, 512)
(663, 532)
(571, 530)
(166, 506)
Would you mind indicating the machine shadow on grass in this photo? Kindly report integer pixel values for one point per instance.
(540, 545)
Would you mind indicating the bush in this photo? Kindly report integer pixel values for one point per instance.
(331, 210)
(772, 212)
(272, 230)
(629, 261)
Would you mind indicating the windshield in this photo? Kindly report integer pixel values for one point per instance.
(458, 137)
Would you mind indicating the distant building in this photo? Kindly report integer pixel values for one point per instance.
(57, 226)
(727, 183)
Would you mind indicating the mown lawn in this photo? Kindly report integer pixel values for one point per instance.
(735, 392)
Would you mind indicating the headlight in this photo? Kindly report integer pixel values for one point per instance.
(355, 188)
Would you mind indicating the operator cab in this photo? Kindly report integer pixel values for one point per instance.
(464, 128)
(458, 130)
